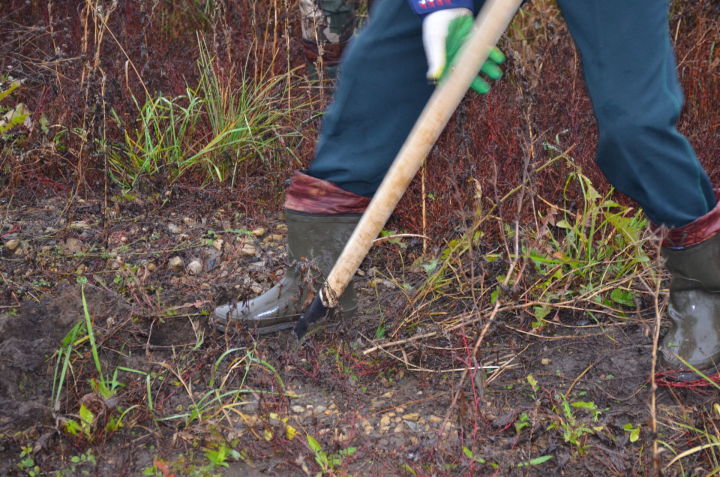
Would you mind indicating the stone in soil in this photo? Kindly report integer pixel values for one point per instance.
(175, 263)
(194, 267)
(73, 245)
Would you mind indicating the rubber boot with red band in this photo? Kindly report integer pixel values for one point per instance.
(692, 254)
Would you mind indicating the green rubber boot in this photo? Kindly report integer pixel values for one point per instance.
(694, 307)
(315, 240)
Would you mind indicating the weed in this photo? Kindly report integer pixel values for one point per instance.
(585, 255)
(210, 130)
(27, 464)
(226, 397)
(219, 455)
(572, 429)
(522, 422)
(329, 463)
(633, 430)
(14, 116)
(78, 465)
(475, 458)
(166, 126)
(535, 461)
(246, 123)
(85, 426)
(594, 248)
(534, 386)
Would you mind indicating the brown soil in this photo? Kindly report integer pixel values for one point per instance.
(150, 318)
(151, 321)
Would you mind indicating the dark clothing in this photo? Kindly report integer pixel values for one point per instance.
(629, 69)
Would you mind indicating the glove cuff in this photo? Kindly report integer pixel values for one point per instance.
(425, 7)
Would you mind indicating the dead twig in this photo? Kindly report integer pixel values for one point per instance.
(653, 385)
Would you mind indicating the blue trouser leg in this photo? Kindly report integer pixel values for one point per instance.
(380, 94)
(629, 69)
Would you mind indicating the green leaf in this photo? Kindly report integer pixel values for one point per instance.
(585, 405)
(86, 414)
(491, 257)
(533, 382)
(72, 427)
(623, 297)
(408, 469)
(431, 266)
(589, 406)
(349, 451)
(314, 445)
(633, 430)
(468, 453)
(14, 117)
(541, 312)
(13, 86)
(535, 461)
(494, 295)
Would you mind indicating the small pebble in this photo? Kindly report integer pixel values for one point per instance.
(194, 267)
(73, 245)
(248, 250)
(175, 263)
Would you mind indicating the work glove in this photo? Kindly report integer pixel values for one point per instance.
(444, 32)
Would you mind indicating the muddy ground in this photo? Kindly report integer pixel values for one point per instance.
(560, 402)
(154, 389)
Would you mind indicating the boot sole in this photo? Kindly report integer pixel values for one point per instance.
(264, 330)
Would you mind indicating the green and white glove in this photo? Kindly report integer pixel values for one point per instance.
(444, 32)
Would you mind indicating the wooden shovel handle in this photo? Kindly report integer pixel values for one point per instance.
(489, 26)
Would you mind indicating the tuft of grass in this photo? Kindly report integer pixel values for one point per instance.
(153, 150)
(591, 253)
(585, 254)
(702, 454)
(210, 131)
(247, 124)
(80, 334)
(227, 392)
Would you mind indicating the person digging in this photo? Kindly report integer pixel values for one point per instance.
(630, 74)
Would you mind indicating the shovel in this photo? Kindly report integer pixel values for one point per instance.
(490, 24)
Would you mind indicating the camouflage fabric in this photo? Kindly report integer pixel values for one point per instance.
(327, 26)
